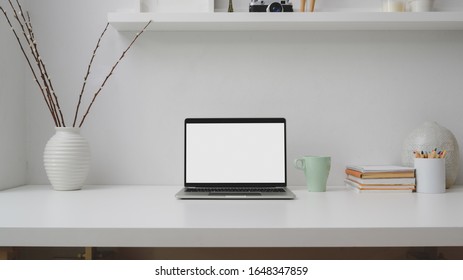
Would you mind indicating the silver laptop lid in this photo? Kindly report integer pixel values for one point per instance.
(235, 152)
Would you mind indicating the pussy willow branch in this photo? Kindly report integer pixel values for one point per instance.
(46, 87)
(29, 37)
(111, 73)
(28, 24)
(34, 48)
(87, 74)
(36, 57)
(30, 66)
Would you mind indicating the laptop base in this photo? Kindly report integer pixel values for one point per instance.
(185, 194)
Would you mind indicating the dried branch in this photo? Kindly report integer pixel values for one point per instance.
(30, 25)
(49, 105)
(88, 73)
(42, 64)
(45, 85)
(29, 37)
(111, 72)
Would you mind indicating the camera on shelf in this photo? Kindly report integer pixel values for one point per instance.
(257, 6)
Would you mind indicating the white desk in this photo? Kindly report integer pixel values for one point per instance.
(150, 216)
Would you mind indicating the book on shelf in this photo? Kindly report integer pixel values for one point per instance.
(380, 171)
(380, 168)
(382, 181)
(379, 188)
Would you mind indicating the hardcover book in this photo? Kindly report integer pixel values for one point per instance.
(380, 168)
(379, 189)
(382, 181)
(380, 171)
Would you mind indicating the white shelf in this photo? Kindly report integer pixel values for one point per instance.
(287, 21)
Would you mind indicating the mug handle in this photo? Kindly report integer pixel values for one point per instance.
(299, 163)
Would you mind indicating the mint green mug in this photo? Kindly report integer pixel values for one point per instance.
(316, 170)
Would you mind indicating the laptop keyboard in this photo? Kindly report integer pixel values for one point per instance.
(236, 190)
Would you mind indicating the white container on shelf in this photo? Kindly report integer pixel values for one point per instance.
(177, 6)
(394, 5)
(420, 5)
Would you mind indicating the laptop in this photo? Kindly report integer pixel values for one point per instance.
(235, 158)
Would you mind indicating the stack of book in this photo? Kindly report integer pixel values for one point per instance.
(380, 178)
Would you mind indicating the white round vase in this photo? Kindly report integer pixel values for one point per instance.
(428, 137)
(67, 159)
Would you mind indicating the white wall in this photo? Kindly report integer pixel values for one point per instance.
(351, 95)
(12, 112)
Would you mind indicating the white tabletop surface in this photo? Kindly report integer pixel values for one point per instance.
(150, 216)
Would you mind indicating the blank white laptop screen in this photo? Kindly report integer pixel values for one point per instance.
(235, 153)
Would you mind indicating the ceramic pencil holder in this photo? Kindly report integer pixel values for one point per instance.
(430, 175)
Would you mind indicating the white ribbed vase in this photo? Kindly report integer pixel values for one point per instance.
(67, 159)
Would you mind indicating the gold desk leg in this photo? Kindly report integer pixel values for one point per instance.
(87, 254)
